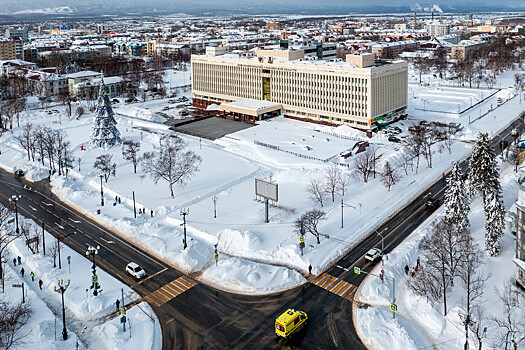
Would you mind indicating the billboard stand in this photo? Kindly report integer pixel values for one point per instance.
(266, 190)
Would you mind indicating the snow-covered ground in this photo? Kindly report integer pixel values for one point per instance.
(420, 323)
(261, 253)
(91, 321)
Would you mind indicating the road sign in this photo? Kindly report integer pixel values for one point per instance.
(357, 270)
(301, 239)
(68, 258)
(266, 189)
(393, 307)
(94, 278)
(123, 311)
(216, 256)
(382, 271)
(17, 285)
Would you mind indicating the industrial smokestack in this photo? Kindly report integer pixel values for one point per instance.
(415, 20)
(432, 16)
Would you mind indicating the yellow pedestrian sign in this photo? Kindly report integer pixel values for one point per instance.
(123, 311)
(393, 307)
(216, 256)
(357, 270)
(301, 239)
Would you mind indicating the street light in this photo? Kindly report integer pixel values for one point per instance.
(62, 289)
(101, 190)
(14, 198)
(94, 280)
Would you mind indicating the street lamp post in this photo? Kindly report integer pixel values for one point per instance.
(62, 289)
(101, 191)
(94, 280)
(14, 198)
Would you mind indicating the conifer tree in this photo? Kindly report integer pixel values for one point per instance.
(494, 223)
(105, 133)
(457, 201)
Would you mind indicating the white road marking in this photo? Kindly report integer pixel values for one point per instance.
(342, 268)
(61, 227)
(151, 276)
(108, 242)
(48, 204)
(32, 208)
(75, 221)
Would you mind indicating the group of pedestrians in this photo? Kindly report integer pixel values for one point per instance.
(416, 268)
(23, 271)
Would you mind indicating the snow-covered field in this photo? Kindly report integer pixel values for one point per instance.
(90, 321)
(420, 323)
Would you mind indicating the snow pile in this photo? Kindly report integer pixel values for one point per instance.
(240, 275)
(136, 112)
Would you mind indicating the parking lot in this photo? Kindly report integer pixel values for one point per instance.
(211, 128)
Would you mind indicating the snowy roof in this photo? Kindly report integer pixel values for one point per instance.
(96, 81)
(83, 74)
(520, 263)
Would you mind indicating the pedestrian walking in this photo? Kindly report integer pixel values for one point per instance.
(118, 304)
(32, 276)
(22, 272)
(152, 213)
(140, 211)
(118, 200)
(143, 210)
(418, 261)
(40, 283)
(406, 269)
(310, 269)
(14, 261)
(19, 260)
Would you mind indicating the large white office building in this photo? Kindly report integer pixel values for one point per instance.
(358, 91)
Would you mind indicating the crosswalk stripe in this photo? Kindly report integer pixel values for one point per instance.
(336, 286)
(171, 289)
(168, 292)
(161, 295)
(176, 287)
(190, 281)
(155, 299)
(180, 285)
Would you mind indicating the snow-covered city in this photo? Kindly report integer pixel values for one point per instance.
(284, 181)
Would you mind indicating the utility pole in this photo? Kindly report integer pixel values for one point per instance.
(214, 206)
(123, 319)
(134, 208)
(79, 163)
(59, 258)
(266, 219)
(62, 289)
(342, 206)
(184, 212)
(101, 191)
(94, 280)
(43, 238)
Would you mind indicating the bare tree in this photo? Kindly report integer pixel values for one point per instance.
(473, 280)
(104, 164)
(414, 142)
(25, 138)
(13, 319)
(7, 235)
(364, 163)
(309, 221)
(405, 161)
(332, 180)
(512, 321)
(344, 183)
(316, 191)
(441, 250)
(129, 152)
(174, 165)
(514, 157)
(389, 176)
(53, 252)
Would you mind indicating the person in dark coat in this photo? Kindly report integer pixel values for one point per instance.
(407, 269)
(22, 272)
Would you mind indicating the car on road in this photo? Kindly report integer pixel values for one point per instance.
(19, 173)
(392, 138)
(290, 322)
(432, 203)
(373, 254)
(135, 270)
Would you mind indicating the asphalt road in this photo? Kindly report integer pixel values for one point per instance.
(203, 318)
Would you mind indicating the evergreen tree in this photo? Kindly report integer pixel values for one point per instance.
(105, 133)
(494, 223)
(457, 201)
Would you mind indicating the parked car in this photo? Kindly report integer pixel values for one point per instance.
(171, 101)
(135, 270)
(373, 254)
(166, 108)
(394, 130)
(392, 138)
(19, 173)
(432, 203)
(116, 100)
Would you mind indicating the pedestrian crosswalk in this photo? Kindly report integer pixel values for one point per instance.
(336, 286)
(170, 291)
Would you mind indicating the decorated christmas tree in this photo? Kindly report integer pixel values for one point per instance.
(105, 133)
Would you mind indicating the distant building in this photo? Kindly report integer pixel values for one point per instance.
(466, 49)
(7, 49)
(86, 85)
(436, 29)
(311, 47)
(519, 259)
(21, 33)
(400, 26)
(273, 26)
(392, 49)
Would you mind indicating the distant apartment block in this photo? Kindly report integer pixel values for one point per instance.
(466, 49)
(358, 92)
(7, 49)
(273, 26)
(436, 29)
(21, 33)
(519, 259)
(391, 50)
(310, 47)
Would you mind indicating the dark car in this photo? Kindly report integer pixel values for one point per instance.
(393, 139)
(432, 203)
(19, 173)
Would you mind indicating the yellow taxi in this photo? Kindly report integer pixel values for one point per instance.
(290, 322)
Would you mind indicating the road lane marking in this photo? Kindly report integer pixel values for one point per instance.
(75, 221)
(336, 286)
(108, 242)
(60, 227)
(48, 204)
(30, 206)
(170, 291)
(151, 276)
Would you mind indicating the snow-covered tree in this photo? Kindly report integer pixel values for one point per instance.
(457, 200)
(105, 133)
(494, 223)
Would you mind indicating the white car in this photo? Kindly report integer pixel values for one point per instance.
(135, 270)
(373, 254)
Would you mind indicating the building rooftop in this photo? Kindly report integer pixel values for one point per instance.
(252, 104)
